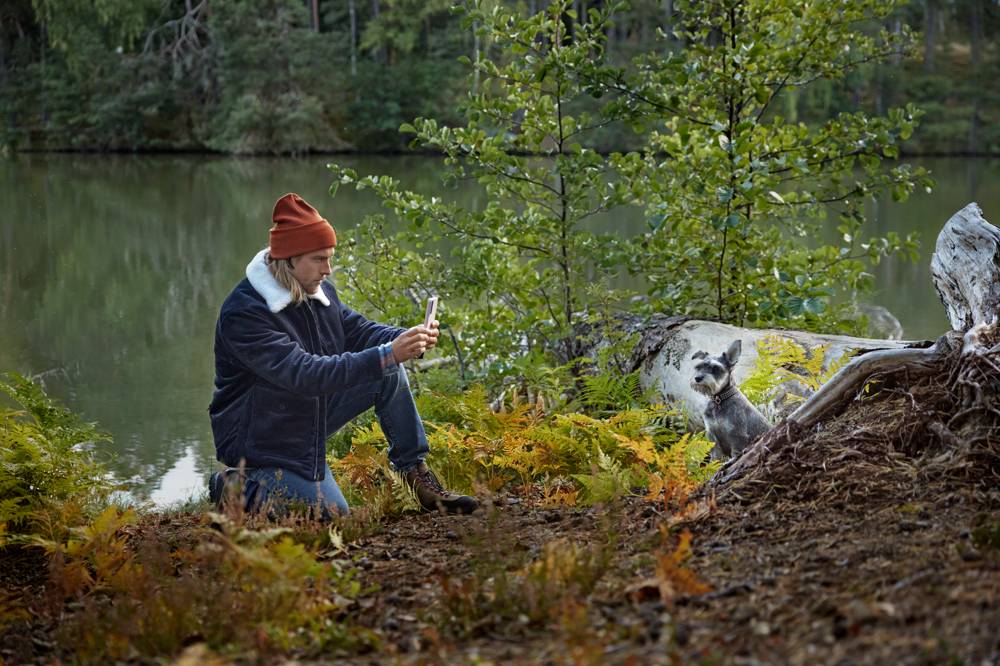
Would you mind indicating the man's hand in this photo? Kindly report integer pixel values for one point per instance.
(414, 341)
(432, 333)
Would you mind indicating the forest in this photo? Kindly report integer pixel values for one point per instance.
(691, 437)
(277, 76)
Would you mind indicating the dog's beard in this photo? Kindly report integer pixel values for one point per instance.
(704, 388)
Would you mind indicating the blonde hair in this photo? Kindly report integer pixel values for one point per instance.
(281, 269)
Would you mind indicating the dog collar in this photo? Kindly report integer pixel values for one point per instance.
(725, 394)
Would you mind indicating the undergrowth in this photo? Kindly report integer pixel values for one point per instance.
(569, 458)
(124, 585)
(785, 370)
(241, 591)
(513, 593)
(127, 585)
(46, 466)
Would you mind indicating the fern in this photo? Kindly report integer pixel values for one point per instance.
(604, 455)
(608, 393)
(404, 496)
(608, 481)
(780, 360)
(44, 457)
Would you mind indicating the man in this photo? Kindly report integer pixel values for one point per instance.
(293, 365)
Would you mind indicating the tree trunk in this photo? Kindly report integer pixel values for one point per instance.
(930, 33)
(965, 268)
(897, 27)
(976, 11)
(668, 21)
(475, 57)
(379, 53)
(3, 61)
(352, 13)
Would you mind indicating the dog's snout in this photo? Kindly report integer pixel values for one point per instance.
(698, 378)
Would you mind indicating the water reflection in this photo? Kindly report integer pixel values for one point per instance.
(904, 287)
(182, 481)
(112, 270)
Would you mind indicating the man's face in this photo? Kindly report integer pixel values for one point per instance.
(311, 268)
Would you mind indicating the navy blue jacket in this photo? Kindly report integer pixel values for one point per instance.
(277, 374)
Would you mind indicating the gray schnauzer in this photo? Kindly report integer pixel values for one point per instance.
(731, 421)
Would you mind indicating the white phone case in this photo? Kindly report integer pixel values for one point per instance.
(432, 306)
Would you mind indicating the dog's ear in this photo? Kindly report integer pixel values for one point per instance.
(732, 355)
(699, 354)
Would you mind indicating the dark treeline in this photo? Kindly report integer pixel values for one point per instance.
(262, 76)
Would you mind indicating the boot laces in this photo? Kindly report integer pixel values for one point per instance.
(430, 480)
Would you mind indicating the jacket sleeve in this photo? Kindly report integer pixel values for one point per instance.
(361, 333)
(273, 355)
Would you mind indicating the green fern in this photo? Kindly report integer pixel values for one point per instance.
(608, 481)
(607, 393)
(780, 360)
(405, 499)
(44, 456)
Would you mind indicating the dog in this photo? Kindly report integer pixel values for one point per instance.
(731, 420)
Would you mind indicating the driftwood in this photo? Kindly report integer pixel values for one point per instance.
(966, 268)
(666, 344)
(966, 274)
(845, 384)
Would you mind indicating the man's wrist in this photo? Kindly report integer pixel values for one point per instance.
(388, 358)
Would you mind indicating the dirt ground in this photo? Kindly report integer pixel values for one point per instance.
(864, 541)
(792, 581)
(797, 583)
(849, 545)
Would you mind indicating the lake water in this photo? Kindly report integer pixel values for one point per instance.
(113, 268)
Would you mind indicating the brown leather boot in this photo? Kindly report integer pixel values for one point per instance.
(432, 496)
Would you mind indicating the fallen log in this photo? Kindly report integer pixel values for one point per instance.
(666, 344)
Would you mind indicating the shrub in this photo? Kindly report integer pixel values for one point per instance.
(525, 263)
(237, 589)
(600, 457)
(733, 188)
(45, 460)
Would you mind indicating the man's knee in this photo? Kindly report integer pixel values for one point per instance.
(395, 382)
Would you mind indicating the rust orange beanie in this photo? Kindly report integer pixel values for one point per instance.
(298, 228)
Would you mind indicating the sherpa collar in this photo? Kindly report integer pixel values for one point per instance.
(277, 297)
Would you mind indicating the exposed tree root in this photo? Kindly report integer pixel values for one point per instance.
(937, 413)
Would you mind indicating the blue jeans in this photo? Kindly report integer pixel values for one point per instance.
(397, 414)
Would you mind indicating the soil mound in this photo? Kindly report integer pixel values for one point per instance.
(904, 435)
(871, 537)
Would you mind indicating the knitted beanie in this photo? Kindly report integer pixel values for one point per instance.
(298, 228)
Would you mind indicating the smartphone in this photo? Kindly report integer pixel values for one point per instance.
(432, 307)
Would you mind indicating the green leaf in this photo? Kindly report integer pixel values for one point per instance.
(656, 221)
(814, 305)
